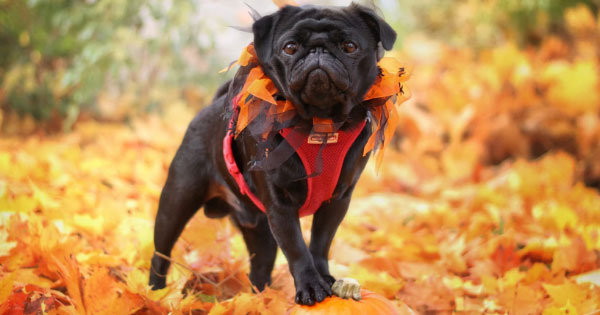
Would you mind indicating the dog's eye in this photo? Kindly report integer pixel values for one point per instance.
(349, 47)
(290, 48)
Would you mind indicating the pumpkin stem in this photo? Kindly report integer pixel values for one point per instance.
(347, 288)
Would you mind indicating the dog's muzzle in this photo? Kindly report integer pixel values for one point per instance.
(318, 90)
(321, 81)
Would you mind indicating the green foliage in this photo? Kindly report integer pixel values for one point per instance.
(56, 56)
(528, 21)
(481, 24)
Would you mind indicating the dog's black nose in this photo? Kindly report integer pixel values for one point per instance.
(319, 49)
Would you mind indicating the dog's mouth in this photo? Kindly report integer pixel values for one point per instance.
(323, 95)
(319, 93)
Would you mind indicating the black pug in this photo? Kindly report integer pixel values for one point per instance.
(322, 59)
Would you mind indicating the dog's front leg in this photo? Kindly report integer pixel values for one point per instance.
(310, 286)
(325, 223)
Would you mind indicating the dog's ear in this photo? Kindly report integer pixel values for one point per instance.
(264, 31)
(263, 36)
(380, 28)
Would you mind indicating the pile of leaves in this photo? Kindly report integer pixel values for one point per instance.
(506, 102)
(483, 209)
(77, 217)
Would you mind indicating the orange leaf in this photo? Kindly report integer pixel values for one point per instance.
(283, 3)
(580, 296)
(103, 295)
(521, 300)
(505, 255)
(68, 270)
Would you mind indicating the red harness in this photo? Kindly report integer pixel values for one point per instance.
(321, 186)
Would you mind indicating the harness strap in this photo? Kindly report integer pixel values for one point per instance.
(320, 186)
(230, 160)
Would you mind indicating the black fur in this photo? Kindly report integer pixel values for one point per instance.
(198, 175)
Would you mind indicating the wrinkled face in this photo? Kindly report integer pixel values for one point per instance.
(323, 60)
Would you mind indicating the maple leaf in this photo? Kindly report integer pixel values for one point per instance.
(520, 300)
(460, 219)
(579, 296)
(102, 295)
(505, 256)
(31, 299)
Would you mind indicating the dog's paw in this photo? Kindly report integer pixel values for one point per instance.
(329, 279)
(311, 289)
(157, 282)
(347, 288)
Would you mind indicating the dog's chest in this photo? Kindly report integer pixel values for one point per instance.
(322, 156)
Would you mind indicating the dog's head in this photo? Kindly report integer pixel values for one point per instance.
(322, 59)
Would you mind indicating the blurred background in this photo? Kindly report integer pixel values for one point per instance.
(487, 202)
(505, 78)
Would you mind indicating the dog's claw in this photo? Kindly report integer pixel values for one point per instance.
(347, 288)
(312, 291)
(304, 298)
(329, 280)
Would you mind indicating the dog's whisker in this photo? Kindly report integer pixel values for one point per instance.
(253, 13)
(245, 29)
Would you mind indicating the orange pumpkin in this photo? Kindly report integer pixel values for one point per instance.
(371, 303)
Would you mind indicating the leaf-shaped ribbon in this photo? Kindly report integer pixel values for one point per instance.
(283, 3)
(388, 85)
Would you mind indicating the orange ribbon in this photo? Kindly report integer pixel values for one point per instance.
(390, 84)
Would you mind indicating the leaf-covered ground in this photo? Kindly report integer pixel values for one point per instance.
(77, 217)
(482, 209)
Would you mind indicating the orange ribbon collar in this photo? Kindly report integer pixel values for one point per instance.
(258, 91)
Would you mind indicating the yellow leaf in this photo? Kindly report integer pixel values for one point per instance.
(89, 224)
(554, 215)
(569, 292)
(30, 276)
(490, 284)
(219, 309)
(573, 87)
(512, 277)
(5, 245)
(568, 309)
(459, 301)
(580, 19)
(380, 282)
(6, 286)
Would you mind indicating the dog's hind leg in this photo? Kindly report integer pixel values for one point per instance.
(182, 195)
(262, 249)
